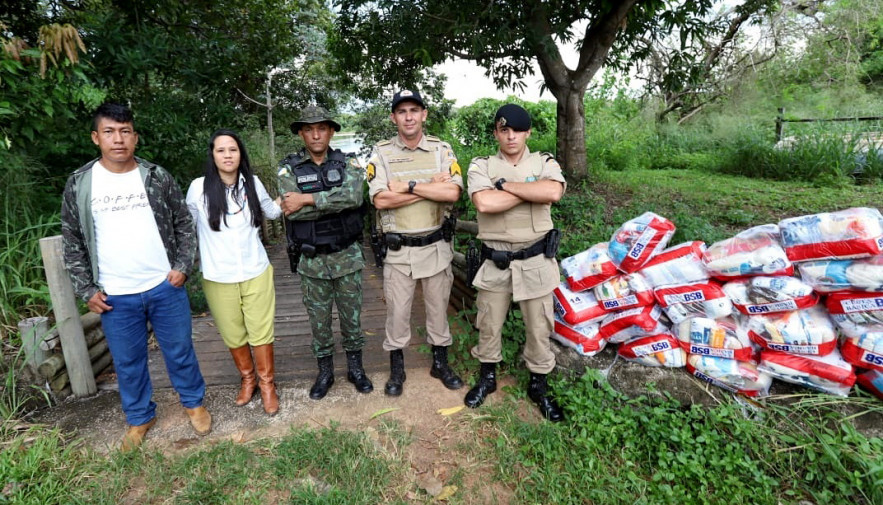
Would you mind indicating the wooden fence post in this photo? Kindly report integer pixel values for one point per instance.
(67, 318)
(780, 124)
(32, 331)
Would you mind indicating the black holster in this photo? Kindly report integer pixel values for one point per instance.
(378, 247)
(473, 262)
(293, 247)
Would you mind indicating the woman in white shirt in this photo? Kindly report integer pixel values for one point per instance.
(228, 205)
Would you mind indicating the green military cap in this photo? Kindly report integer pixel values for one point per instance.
(314, 114)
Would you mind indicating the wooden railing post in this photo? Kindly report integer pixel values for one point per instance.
(780, 124)
(32, 331)
(67, 318)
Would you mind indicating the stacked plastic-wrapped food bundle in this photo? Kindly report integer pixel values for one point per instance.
(800, 346)
(860, 318)
(577, 320)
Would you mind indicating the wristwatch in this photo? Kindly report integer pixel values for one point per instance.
(411, 185)
(499, 183)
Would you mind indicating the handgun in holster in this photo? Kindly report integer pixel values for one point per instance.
(449, 225)
(553, 240)
(473, 262)
(378, 246)
(294, 249)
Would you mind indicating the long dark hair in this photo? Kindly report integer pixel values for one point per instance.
(215, 190)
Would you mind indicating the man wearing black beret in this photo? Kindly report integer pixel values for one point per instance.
(513, 192)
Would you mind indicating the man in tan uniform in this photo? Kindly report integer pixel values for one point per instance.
(513, 192)
(413, 181)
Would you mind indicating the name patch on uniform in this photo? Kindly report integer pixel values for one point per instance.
(403, 159)
(307, 178)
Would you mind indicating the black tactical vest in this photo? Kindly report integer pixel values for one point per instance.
(333, 231)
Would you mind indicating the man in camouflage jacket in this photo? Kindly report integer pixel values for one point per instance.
(322, 199)
(129, 242)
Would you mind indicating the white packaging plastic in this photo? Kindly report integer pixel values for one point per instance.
(693, 300)
(865, 351)
(734, 376)
(624, 292)
(583, 338)
(575, 308)
(588, 268)
(850, 233)
(625, 325)
(829, 373)
(639, 239)
(755, 251)
(680, 264)
(769, 295)
(855, 308)
(807, 331)
(655, 350)
(721, 338)
(827, 276)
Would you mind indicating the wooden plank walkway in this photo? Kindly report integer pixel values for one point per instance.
(294, 358)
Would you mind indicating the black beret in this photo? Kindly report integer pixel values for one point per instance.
(513, 116)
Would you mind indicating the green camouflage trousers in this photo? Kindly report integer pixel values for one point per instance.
(319, 294)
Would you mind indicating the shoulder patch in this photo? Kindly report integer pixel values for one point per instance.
(370, 172)
(455, 169)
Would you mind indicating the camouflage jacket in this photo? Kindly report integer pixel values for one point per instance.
(347, 196)
(173, 220)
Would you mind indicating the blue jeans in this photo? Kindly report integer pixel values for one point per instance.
(125, 327)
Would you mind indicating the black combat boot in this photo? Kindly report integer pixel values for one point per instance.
(440, 369)
(487, 384)
(356, 373)
(537, 390)
(325, 378)
(396, 373)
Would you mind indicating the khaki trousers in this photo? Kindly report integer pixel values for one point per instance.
(538, 318)
(398, 289)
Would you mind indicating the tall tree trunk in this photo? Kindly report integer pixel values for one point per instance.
(571, 130)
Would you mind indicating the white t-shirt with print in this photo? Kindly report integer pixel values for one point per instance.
(131, 255)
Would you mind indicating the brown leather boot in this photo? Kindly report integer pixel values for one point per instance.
(200, 419)
(242, 358)
(263, 357)
(135, 436)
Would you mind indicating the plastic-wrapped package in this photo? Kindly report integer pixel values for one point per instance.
(619, 327)
(721, 338)
(865, 351)
(755, 251)
(856, 308)
(588, 268)
(850, 233)
(680, 264)
(807, 331)
(639, 239)
(624, 292)
(827, 276)
(693, 300)
(655, 350)
(768, 295)
(735, 376)
(583, 338)
(872, 380)
(829, 373)
(576, 308)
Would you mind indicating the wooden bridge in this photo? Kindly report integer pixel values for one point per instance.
(294, 358)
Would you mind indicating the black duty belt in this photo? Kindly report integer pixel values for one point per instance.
(395, 241)
(311, 251)
(547, 246)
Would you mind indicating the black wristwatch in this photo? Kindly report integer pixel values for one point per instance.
(411, 185)
(499, 183)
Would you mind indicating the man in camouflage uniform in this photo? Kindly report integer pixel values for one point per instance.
(129, 242)
(413, 181)
(322, 199)
(513, 192)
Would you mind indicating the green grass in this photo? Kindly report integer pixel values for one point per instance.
(615, 449)
(326, 466)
